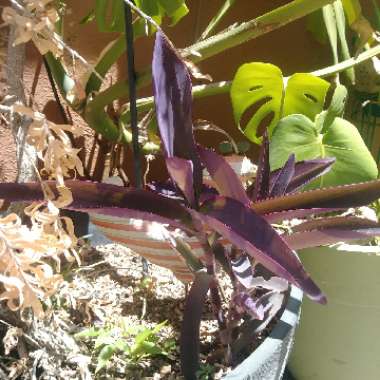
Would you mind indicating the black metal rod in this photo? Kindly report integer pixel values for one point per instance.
(133, 109)
(55, 92)
(132, 95)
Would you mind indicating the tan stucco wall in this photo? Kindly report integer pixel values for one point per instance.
(291, 48)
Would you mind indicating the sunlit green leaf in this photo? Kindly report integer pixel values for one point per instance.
(104, 356)
(92, 332)
(299, 135)
(258, 92)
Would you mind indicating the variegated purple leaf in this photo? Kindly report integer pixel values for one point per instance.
(331, 230)
(275, 301)
(109, 199)
(305, 172)
(260, 189)
(283, 178)
(246, 304)
(251, 233)
(276, 284)
(343, 222)
(173, 99)
(277, 217)
(181, 171)
(225, 178)
(315, 238)
(341, 197)
(242, 270)
(166, 189)
(189, 341)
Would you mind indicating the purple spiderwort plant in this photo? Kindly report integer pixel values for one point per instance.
(229, 212)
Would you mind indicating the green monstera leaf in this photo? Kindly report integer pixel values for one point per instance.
(307, 140)
(261, 88)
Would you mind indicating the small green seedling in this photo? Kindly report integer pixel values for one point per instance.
(131, 343)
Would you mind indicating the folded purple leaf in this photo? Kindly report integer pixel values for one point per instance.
(283, 178)
(309, 170)
(225, 178)
(173, 100)
(181, 172)
(251, 233)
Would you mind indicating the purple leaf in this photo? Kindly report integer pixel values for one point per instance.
(343, 222)
(111, 199)
(254, 308)
(207, 193)
(189, 343)
(308, 170)
(277, 217)
(251, 233)
(341, 197)
(173, 99)
(227, 181)
(331, 230)
(261, 186)
(166, 189)
(283, 178)
(315, 238)
(181, 171)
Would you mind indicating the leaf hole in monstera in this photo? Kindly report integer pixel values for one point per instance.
(254, 114)
(265, 121)
(311, 97)
(255, 88)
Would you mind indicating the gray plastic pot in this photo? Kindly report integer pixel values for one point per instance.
(268, 361)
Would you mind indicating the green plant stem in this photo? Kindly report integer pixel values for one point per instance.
(111, 55)
(99, 120)
(344, 65)
(248, 30)
(218, 17)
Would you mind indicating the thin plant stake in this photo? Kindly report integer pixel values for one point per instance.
(132, 96)
(133, 107)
